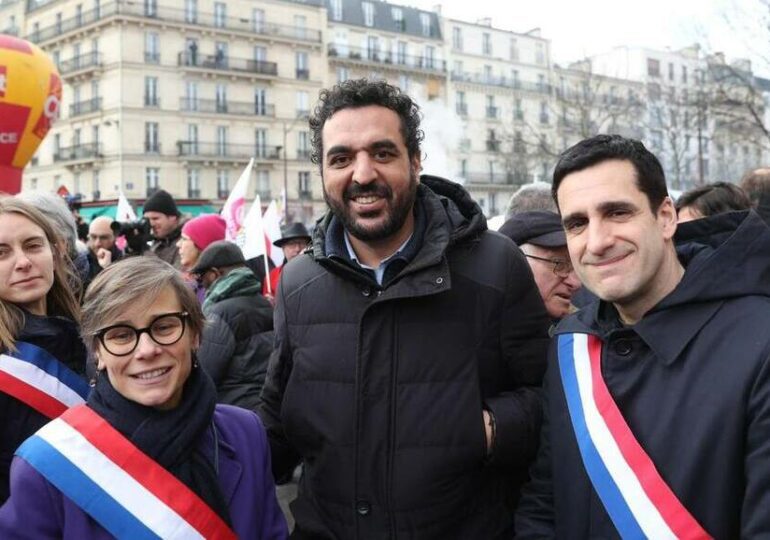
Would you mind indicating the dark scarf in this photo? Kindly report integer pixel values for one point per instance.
(171, 438)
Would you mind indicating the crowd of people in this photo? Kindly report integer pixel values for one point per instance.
(599, 367)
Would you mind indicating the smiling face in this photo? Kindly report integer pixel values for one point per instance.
(369, 181)
(152, 375)
(555, 290)
(621, 250)
(26, 263)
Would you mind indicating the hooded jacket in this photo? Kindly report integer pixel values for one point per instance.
(380, 389)
(237, 340)
(692, 380)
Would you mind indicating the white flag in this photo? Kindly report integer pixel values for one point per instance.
(253, 231)
(234, 208)
(124, 213)
(271, 221)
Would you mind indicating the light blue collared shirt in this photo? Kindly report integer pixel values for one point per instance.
(379, 272)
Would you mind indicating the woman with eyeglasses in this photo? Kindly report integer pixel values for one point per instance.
(42, 359)
(151, 454)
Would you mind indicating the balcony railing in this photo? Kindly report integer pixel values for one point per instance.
(227, 63)
(11, 31)
(85, 107)
(152, 58)
(151, 147)
(507, 82)
(493, 145)
(303, 154)
(208, 150)
(303, 74)
(77, 63)
(79, 152)
(493, 112)
(152, 10)
(499, 178)
(243, 108)
(398, 61)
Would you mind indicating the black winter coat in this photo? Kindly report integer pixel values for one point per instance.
(692, 380)
(235, 348)
(380, 391)
(60, 337)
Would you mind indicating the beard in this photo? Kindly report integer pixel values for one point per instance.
(397, 209)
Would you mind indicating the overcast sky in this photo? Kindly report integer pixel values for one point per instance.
(578, 28)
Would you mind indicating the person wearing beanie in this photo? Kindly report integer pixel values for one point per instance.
(197, 234)
(165, 221)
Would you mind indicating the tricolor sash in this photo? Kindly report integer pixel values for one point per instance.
(33, 376)
(123, 489)
(637, 499)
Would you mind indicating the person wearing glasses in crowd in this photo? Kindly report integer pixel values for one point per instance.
(541, 237)
(151, 454)
(42, 360)
(102, 250)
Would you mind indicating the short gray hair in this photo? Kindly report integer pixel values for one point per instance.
(58, 213)
(535, 196)
(114, 290)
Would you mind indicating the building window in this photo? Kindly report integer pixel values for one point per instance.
(151, 92)
(303, 184)
(398, 18)
(684, 74)
(426, 24)
(303, 104)
(96, 192)
(653, 67)
(193, 184)
(223, 184)
(486, 43)
(258, 20)
(461, 106)
(368, 8)
(220, 14)
(342, 74)
(402, 52)
(430, 51)
(404, 83)
(152, 179)
(260, 143)
(670, 72)
(260, 101)
(151, 140)
(303, 69)
(191, 96)
(151, 47)
(491, 108)
(221, 140)
(150, 8)
(220, 95)
(260, 54)
(300, 26)
(457, 38)
(303, 145)
(544, 112)
(336, 6)
(514, 50)
(372, 48)
(540, 54)
(192, 138)
(463, 168)
(191, 11)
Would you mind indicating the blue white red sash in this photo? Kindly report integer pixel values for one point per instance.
(33, 376)
(114, 482)
(637, 499)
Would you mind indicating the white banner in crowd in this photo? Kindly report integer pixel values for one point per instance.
(234, 209)
(124, 213)
(272, 224)
(254, 243)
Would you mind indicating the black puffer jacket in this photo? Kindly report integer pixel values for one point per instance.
(380, 391)
(60, 337)
(235, 347)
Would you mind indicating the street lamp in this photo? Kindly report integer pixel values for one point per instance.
(301, 115)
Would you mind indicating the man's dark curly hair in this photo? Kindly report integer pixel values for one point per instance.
(356, 93)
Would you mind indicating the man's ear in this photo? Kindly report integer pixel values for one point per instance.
(667, 218)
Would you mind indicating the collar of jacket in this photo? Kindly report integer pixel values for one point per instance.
(238, 282)
(171, 238)
(450, 215)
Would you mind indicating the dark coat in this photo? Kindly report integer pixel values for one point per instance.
(380, 391)
(235, 348)
(38, 510)
(692, 380)
(61, 338)
(165, 248)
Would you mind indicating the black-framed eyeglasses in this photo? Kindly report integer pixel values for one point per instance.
(561, 267)
(122, 339)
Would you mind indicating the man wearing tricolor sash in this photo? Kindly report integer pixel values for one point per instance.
(657, 414)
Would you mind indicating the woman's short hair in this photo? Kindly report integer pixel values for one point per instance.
(114, 290)
(61, 298)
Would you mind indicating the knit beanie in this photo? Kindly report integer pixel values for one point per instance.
(161, 201)
(205, 229)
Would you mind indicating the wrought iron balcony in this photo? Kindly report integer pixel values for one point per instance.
(151, 10)
(385, 58)
(225, 151)
(80, 152)
(218, 62)
(80, 63)
(493, 145)
(213, 106)
(506, 82)
(85, 107)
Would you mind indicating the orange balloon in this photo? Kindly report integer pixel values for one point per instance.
(30, 97)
